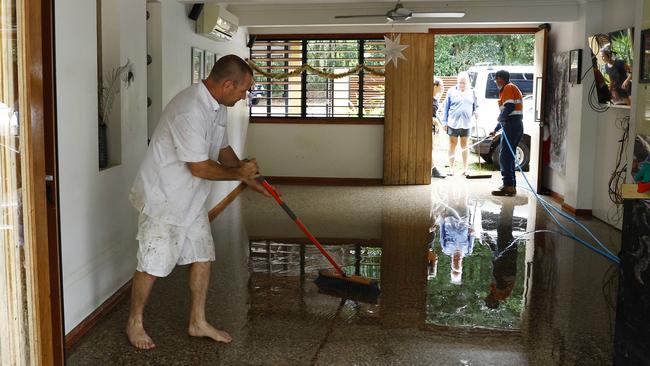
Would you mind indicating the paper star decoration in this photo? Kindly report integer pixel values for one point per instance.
(393, 50)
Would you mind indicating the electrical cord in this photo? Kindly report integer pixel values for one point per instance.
(618, 178)
(609, 287)
(605, 252)
(593, 99)
(586, 72)
(580, 225)
(623, 124)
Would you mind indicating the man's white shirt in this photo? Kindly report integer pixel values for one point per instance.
(192, 128)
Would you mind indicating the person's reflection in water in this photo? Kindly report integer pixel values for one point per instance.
(432, 266)
(504, 264)
(453, 225)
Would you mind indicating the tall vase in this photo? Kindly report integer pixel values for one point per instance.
(103, 146)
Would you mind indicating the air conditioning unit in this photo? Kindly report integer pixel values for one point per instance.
(217, 23)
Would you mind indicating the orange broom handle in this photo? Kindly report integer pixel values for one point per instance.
(296, 220)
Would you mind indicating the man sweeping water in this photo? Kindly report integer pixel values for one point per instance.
(189, 148)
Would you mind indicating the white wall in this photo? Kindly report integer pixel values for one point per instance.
(580, 126)
(616, 15)
(154, 70)
(98, 225)
(306, 150)
(592, 138)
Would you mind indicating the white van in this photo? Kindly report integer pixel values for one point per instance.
(487, 94)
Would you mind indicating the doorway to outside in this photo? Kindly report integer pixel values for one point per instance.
(479, 54)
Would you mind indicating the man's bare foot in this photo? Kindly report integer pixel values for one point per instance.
(137, 336)
(203, 329)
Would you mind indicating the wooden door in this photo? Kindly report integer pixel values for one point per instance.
(539, 93)
(31, 323)
(408, 111)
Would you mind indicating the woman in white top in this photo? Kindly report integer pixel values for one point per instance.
(460, 106)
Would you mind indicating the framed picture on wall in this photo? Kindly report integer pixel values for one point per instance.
(575, 66)
(644, 64)
(197, 65)
(208, 62)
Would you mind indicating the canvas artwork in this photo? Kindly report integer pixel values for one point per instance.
(208, 62)
(197, 64)
(558, 106)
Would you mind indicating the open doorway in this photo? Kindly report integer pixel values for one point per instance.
(476, 55)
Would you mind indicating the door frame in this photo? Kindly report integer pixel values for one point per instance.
(42, 247)
(502, 30)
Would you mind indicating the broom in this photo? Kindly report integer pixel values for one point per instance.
(336, 279)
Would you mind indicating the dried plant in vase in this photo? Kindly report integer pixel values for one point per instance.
(108, 89)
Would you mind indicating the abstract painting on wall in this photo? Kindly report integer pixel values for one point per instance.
(558, 106)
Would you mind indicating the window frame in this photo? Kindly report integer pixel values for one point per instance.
(303, 118)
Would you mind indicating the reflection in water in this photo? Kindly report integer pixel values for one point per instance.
(539, 304)
(453, 224)
(304, 260)
(482, 285)
(504, 264)
(443, 265)
(485, 284)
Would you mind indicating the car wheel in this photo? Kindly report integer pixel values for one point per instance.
(523, 155)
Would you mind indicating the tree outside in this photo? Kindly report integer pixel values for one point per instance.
(456, 53)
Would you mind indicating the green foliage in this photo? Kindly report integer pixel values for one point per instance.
(456, 53)
(622, 45)
(328, 55)
(463, 305)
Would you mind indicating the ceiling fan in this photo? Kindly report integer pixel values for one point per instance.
(400, 13)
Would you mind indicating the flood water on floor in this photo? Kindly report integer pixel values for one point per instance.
(454, 289)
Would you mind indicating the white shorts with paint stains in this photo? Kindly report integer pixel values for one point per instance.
(162, 246)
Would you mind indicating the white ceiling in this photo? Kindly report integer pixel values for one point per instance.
(268, 16)
(278, 2)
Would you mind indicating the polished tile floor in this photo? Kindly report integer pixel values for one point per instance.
(455, 290)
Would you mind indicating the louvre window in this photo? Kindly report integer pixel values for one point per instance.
(311, 95)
